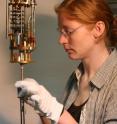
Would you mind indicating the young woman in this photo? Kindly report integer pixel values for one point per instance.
(88, 32)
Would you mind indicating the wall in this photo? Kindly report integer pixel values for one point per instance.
(51, 66)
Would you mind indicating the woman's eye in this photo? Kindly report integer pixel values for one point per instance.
(68, 31)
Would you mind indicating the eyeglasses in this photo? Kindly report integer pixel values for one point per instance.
(66, 32)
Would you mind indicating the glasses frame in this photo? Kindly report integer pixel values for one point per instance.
(65, 32)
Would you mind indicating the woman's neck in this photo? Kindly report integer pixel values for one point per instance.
(94, 62)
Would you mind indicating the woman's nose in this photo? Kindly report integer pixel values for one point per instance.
(62, 39)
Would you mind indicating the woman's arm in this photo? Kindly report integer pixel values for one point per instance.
(43, 102)
(66, 118)
(45, 120)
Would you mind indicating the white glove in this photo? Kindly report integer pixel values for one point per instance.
(39, 98)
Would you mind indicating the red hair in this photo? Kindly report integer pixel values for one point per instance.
(90, 12)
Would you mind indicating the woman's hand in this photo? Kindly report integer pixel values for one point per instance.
(38, 97)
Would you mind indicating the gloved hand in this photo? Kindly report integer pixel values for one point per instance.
(39, 98)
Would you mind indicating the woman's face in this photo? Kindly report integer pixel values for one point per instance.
(76, 38)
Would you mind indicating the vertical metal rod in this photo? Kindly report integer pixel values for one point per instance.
(22, 71)
(22, 111)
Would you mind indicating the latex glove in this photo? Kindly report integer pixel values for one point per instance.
(40, 98)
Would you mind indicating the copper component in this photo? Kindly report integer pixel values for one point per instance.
(21, 30)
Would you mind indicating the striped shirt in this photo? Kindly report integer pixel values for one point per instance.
(101, 107)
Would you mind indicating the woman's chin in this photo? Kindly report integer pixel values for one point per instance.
(73, 57)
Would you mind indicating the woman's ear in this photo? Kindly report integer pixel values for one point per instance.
(99, 29)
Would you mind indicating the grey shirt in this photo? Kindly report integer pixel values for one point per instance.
(101, 107)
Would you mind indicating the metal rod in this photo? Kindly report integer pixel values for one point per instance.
(22, 71)
(22, 111)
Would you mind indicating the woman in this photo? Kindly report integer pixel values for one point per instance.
(87, 33)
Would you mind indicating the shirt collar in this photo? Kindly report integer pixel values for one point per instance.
(104, 72)
(79, 71)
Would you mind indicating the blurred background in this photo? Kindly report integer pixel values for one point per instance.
(51, 66)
